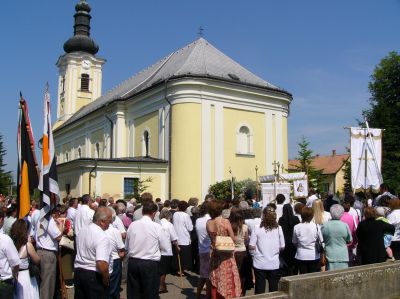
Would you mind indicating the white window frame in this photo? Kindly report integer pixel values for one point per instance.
(248, 148)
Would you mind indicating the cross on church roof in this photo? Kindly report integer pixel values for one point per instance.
(201, 31)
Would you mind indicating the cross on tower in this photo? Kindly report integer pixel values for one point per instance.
(201, 31)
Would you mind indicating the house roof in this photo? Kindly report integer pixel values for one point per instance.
(198, 59)
(328, 164)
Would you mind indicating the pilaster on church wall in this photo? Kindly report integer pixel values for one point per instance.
(120, 132)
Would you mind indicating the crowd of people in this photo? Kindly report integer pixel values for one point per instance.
(233, 245)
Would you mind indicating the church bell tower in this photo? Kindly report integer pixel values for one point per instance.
(79, 69)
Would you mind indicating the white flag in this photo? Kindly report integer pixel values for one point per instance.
(366, 156)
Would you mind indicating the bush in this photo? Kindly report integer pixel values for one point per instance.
(222, 190)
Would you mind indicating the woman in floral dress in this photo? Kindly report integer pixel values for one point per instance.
(224, 275)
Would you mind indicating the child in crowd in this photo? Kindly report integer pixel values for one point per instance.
(387, 238)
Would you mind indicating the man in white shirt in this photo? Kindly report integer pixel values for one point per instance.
(117, 253)
(166, 255)
(10, 219)
(93, 254)
(204, 250)
(9, 262)
(311, 198)
(71, 212)
(84, 215)
(183, 226)
(145, 240)
(280, 201)
(47, 247)
(119, 225)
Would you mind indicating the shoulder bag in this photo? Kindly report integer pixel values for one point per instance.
(319, 245)
(34, 270)
(223, 243)
(320, 248)
(65, 241)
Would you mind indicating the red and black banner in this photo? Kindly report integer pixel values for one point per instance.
(27, 173)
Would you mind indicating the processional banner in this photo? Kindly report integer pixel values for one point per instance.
(366, 158)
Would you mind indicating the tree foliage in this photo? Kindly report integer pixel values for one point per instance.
(222, 190)
(5, 176)
(305, 157)
(347, 175)
(384, 113)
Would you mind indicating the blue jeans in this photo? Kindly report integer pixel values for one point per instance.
(115, 279)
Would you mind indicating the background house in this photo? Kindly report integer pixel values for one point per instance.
(332, 168)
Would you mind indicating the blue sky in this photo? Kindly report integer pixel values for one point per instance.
(322, 52)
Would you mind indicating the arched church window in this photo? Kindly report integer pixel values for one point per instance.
(244, 141)
(146, 144)
(63, 84)
(66, 157)
(85, 82)
(79, 153)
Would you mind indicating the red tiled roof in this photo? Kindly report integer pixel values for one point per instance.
(329, 164)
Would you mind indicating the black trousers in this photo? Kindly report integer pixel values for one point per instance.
(272, 276)
(308, 266)
(7, 289)
(89, 285)
(396, 249)
(143, 279)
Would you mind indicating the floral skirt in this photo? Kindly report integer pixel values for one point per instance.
(224, 275)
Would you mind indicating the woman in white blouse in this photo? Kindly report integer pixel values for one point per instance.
(266, 242)
(305, 238)
(183, 226)
(320, 215)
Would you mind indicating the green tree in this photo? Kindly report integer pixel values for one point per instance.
(347, 175)
(305, 157)
(384, 113)
(5, 176)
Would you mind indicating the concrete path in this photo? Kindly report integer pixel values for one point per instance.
(174, 289)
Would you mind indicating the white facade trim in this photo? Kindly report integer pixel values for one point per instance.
(205, 147)
(98, 182)
(167, 132)
(119, 134)
(161, 130)
(279, 139)
(219, 142)
(268, 142)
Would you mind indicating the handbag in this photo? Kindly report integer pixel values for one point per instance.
(224, 243)
(65, 241)
(319, 245)
(34, 270)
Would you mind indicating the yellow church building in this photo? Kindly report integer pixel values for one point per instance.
(179, 125)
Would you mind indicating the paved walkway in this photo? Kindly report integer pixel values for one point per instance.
(174, 289)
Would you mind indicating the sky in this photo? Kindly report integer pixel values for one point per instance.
(322, 52)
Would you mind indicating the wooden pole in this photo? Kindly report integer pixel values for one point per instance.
(63, 290)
